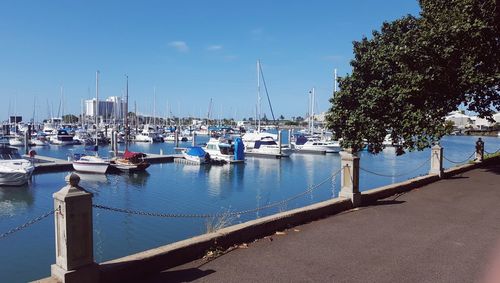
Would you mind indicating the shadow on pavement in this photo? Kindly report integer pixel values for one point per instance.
(387, 202)
(184, 275)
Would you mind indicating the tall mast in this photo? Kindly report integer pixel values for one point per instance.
(126, 115)
(154, 107)
(258, 95)
(312, 111)
(96, 104)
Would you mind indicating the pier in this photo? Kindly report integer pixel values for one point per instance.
(45, 164)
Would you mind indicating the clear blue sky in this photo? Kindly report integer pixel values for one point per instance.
(190, 51)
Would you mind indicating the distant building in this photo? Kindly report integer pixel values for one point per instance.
(460, 120)
(111, 108)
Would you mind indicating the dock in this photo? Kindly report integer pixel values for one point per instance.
(45, 164)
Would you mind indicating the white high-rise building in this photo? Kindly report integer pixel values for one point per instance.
(112, 108)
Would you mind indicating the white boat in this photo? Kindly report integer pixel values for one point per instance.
(148, 134)
(39, 141)
(90, 164)
(315, 145)
(16, 141)
(62, 138)
(14, 170)
(266, 146)
(196, 155)
(225, 150)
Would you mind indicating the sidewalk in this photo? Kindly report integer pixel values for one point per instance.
(448, 231)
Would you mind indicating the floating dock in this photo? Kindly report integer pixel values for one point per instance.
(45, 164)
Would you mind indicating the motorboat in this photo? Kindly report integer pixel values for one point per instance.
(90, 163)
(83, 137)
(226, 150)
(262, 143)
(315, 145)
(14, 170)
(130, 162)
(196, 155)
(62, 138)
(16, 140)
(148, 134)
(266, 146)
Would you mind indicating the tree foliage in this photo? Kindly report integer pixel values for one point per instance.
(415, 70)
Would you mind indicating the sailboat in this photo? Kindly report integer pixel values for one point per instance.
(259, 142)
(130, 161)
(92, 163)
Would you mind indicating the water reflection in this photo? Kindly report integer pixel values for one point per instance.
(14, 199)
(138, 179)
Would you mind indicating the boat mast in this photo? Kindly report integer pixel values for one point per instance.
(96, 105)
(126, 115)
(312, 112)
(154, 107)
(258, 96)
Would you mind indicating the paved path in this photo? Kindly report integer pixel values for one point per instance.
(443, 232)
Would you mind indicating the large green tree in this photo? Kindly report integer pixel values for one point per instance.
(415, 70)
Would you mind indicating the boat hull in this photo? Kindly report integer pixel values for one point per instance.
(14, 178)
(90, 167)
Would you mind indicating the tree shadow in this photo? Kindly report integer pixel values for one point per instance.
(457, 177)
(184, 275)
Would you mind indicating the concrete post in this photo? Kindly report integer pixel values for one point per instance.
(194, 139)
(73, 227)
(437, 160)
(349, 182)
(115, 142)
(26, 142)
(479, 151)
(176, 137)
(279, 141)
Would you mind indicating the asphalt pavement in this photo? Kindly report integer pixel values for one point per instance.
(448, 231)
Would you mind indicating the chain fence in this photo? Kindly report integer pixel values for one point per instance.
(395, 175)
(491, 153)
(238, 213)
(27, 224)
(460, 162)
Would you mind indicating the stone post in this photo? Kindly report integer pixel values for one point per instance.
(349, 182)
(73, 227)
(279, 141)
(194, 139)
(176, 137)
(479, 151)
(437, 160)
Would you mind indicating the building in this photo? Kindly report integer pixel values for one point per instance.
(113, 108)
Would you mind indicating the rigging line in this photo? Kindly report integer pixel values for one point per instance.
(267, 94)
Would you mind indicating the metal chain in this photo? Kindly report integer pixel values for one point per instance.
(397, 175)
(27, 224)
(468, 158)
(498, 150)
(182, 215)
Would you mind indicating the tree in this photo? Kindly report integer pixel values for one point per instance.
(281, 117)
(413, 72)
(70, 118)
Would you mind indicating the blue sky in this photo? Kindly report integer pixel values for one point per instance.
(190, 51)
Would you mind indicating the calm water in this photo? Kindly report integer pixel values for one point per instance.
(176, 188)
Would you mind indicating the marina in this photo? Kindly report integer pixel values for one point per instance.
(179, 188)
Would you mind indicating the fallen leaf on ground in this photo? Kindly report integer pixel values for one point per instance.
(243, 246)
(296, 230)
(280, 233)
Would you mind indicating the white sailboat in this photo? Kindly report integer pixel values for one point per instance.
(261, 143)
(92, 163)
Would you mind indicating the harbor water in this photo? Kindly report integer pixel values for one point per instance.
(186, 189)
